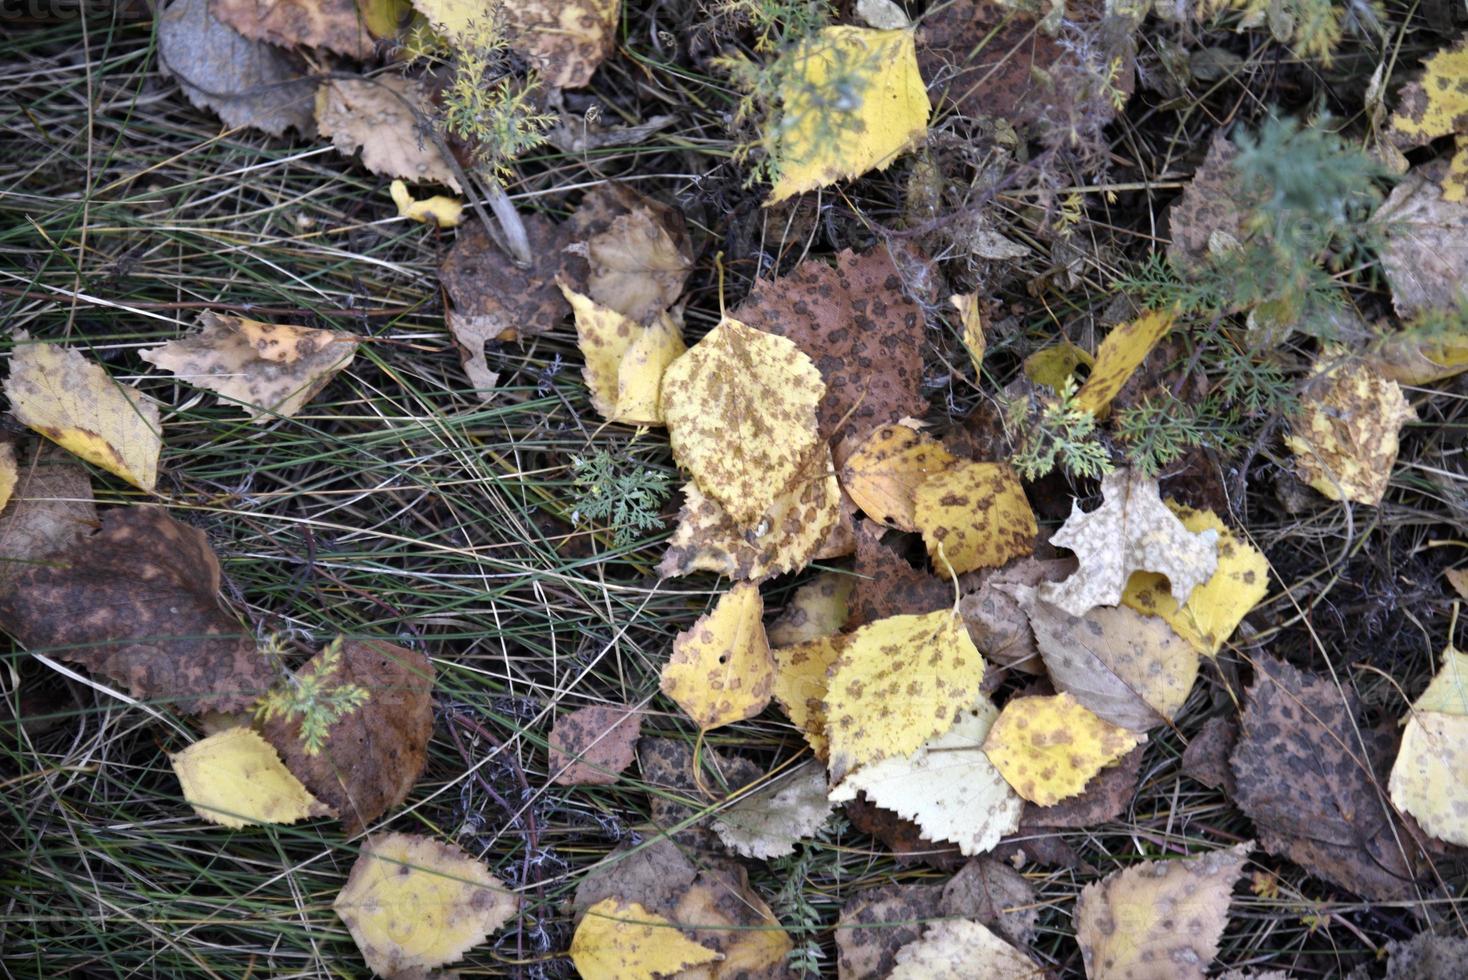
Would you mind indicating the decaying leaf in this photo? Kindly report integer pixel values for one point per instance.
(996, 612)
(878, 922)
(1049, 747)
(441, 210)
(884, 473)
(1128, 668)
(1435, 106)
(640, 262)
(412, 902)
(903, 838)
(139, 602)
(1206, 757)
(898, 682)
(769, 822)
(370, 758)
(1158, 920)
(948, 787)
(681, 801)
(624, 941)
(653, 872)
(1427, 778)
(993, 894)
(1131, 531)
(1126, 347)
(50, 508)
(721, 671)
(1305, 773)
(886, 585)
(1106, 797)
(270, 370)
(564, 39)
(724, 913)
(336, 25)
(381, 117)
(1412, 357)
(236, 779)
(1213, 211)
(1424, 242)
(800, 685)
(246, 82)
(1426, 956)
(624, 360)
(74, 403)
(972, 319)
(959, 949)
(593, 745)
(741, 413)
(1345, 439)
(851, 100)
(817, 609)
(974, 515)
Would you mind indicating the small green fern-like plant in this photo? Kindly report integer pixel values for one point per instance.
(307, 693)
(487, 108)
(627, 498)
(1050, 430)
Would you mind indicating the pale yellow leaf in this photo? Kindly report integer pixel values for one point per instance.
(1053, 366)
(1345, 438)
(818, 608)
(1118, 356)
(640, 375)
(639, 264)
(441, 210)
(721, 671)
(624, 941)
(377, 117)
(974, 515)
(1427, 777)
(235, 778)
(1048, 748)
(967, 305)
(961, 949)
(883, 474)
(1413, 358)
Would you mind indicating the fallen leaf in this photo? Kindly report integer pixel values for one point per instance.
(1048, 748)
(800, 686)
(1158, 920)
(880, 111)
(1426, 779)
(1457, 578)
(997, 619)
(948, 787)
(884, 472)
(564, 39)
(593, 745)
(876, 923)
(1213, 210)
(624, 360)
(886, 585)
(903, 838)
(1216, 607)
(50, 509)
(898, 682)
(1053, 366)
(370, 758)
(336, 25)
(1126, 347)
(959, 949)
(1128, 668)
(741, 413)
(682, 802)
(721, 671)
(269, 370)
(438, 209)
(640, 262)
(1106, 797)
(974, 515)
(1305, 774)
(74, 403)
(972, 320)
(724, 913)
(412, 902)
(1426, 957)
(1435, 106)
(1420, 357)
(1205, 760)
(817, 609)
(654, 873)
(235, 778)
(246, 82)
(993, 894)
(9, 474)
(1424, 246)
(1131, 531)
(1345, 438)
(769, 822)
(139, 602)
(624, 941)
(382, 117)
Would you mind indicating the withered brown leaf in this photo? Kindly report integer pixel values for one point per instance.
(886, 585)
(593, 745)
(876, 923)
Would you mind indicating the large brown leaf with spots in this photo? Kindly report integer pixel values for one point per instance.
(593, 745)
(875, 924)
(1306, 774)
(50, 508)
(373, 755)
(887, 585)
(864, 335)
(333, 24)
(138, 603)
(682, 802)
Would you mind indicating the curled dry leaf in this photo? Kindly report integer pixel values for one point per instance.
(336, 25)
(818, 608)
(769, 822)
(50, 509)
(371, 757)
(640, 262)
(235, 778)
(971, 318)
(724, 913)
(1415, 357)
(624, 941)
(382, 117)
(438, 209)
(624, 360)
(721, 671)
(974, 515)
(74, 403)
(248, 83)
(1048, 748)
(1053, 366)
(959, 949)
(139, 602)
(414, 903)
(270, 370)
(1123, 350)
(1131, 531)
(593, 745)
(1424, 243)
(886, 585)
(884, 473)
(878, 922)
(1158, 920)
(994, 894)
(800, 685)
(1427, 778)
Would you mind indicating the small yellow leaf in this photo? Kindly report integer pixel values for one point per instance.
(1054, 365)
(1119, 355)
(444, 211)
(818, 608)
(9, 473)
(1048, 748)
(624, 941)
(883, 474)
(624, 360)
(1345, 439)
(1427, 777)
(412, 903)
(852, 100)
(974, 515)
(1216, 607)
(384, 17)
(74, 403)
(721, 671)
(967, 305)
(800, 685)
(235, 778)
(898, 682)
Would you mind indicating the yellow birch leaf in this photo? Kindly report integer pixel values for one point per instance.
(1216, 607)
(967, 305)
(413, 903)
(961, 949)
(640, 375)
(883, 474)
(1345, 438)
(74, 403)
(852, 100)
(443, 211)
(818, 608)
(1054, 365)
(9, 473)
(1412, 359)
(236, 779)
(740, 408)
(1048, 748)
(1120, 353)
(898, 682)
(974, 515)
(721, 671)
(1427, 777)
(800, 685)
(1437, 105)
(604, 336)
(624, 941)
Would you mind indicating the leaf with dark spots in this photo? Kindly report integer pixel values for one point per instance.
(653, 874)
(877, 923)
(886, 585)
(49, 510)
(593, 745)
(1206, 757)
(1105, 797)
(138, 602)
(667, 768)
(992, 893)
(372, 756)
(902, 837)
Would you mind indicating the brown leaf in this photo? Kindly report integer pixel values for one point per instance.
(886, 585)
(1105, 797)
(593, 745)
(1205, 760)
(902, 837)
(139, 602)
(876, 923)
(49, 510)
(564, 39)
(653, 874)
(721, 911)
(1426, 243)
(997, 619)
(383, 117)
(640, 262)
(993, 893)
(1306, 780)
(667, 766)
(1213, 209)
(336, 25)
(373, 755)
